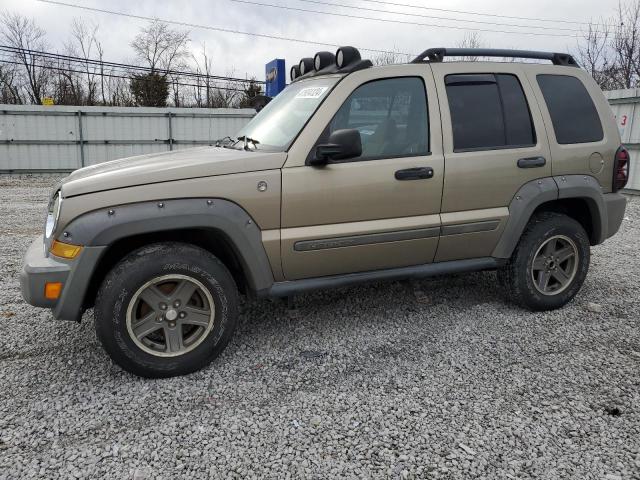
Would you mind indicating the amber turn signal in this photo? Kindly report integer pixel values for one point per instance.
(52, 290)
(65, 250)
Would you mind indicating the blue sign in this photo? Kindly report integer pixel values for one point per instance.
(275, 76)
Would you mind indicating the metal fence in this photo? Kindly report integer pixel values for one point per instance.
(61, 138)
(624, 104)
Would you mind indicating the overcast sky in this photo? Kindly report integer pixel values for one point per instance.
(243, 55)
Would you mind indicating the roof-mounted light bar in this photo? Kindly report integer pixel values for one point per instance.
(345, 60)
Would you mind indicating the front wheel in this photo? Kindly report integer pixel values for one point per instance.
(166, 309)
(550, 263)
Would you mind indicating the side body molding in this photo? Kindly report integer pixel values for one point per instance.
(105, 226)
(533, 194)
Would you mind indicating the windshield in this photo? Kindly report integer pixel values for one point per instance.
(277, 124)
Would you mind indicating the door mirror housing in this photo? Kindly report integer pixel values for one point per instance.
(343, 144)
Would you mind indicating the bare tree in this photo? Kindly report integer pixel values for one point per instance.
(626, 43)
(226, 94)
(162, 48)
(84, 44)
(390, 58)
(204, 66)
(595, 53)
(610, 48)
(9, 87)
(26, 38)
(471, 40)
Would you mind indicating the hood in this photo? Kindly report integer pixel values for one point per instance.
(168, 166)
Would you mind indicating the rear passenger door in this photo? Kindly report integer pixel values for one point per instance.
(494, 142)
(580, 140)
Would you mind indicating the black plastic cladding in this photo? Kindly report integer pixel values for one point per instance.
(438, 54)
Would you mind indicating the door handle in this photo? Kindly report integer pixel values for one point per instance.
(532, 162)
(417, 173)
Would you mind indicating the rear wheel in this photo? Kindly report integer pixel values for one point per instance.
(166, 309)
(550, 263)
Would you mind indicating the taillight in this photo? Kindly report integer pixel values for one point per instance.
(620, 169)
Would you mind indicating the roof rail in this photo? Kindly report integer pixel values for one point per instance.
(438, 54)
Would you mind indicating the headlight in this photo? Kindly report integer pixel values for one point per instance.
(53, 213)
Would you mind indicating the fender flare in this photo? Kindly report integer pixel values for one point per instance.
(105, 226)
(536, 192)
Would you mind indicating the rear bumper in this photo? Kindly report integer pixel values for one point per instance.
(38, 269)
(615, 205)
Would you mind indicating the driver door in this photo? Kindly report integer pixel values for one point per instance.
(370, 212)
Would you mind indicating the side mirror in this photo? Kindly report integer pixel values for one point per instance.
(342, 144)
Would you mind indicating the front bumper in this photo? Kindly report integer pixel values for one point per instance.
(38, 269)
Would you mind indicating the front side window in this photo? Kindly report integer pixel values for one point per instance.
(488, 111)
(573, 114)
(390, 115)
(278, 124)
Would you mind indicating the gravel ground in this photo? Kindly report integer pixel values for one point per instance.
(436, 379)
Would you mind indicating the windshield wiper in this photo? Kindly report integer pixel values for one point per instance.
(248, 140)
(224, 142)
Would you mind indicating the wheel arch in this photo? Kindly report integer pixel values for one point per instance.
(578, 196)
(218, 226)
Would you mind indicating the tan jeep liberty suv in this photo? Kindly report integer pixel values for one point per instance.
(353, 173)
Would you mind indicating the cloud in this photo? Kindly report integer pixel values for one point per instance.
(245, 55)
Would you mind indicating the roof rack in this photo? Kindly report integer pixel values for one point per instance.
(438, 54)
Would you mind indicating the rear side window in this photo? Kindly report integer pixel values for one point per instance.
(488, 111)
(574, 116)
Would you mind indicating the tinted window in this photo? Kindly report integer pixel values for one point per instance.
(574, 116)
(517, 118)
(391, 116)
(488, 111)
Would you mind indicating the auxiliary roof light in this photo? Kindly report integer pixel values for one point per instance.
(306, 65)
(295, 72)
(323, 60)
(346, 56)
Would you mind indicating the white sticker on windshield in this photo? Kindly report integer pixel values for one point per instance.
(311, 92)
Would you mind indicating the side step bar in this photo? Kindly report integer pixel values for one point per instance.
(285, 289)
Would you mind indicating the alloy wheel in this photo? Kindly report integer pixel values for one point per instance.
(170, 315)
(555, 265)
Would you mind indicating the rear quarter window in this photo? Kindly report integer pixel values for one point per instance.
(574, 116)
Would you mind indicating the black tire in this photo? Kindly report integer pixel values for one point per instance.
(517, 276)
(129, 277)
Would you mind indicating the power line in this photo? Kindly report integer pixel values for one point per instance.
(413, 15)
(433, 25)
(112, 75)
(465, 12)
(104, 63)
(208, 27)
